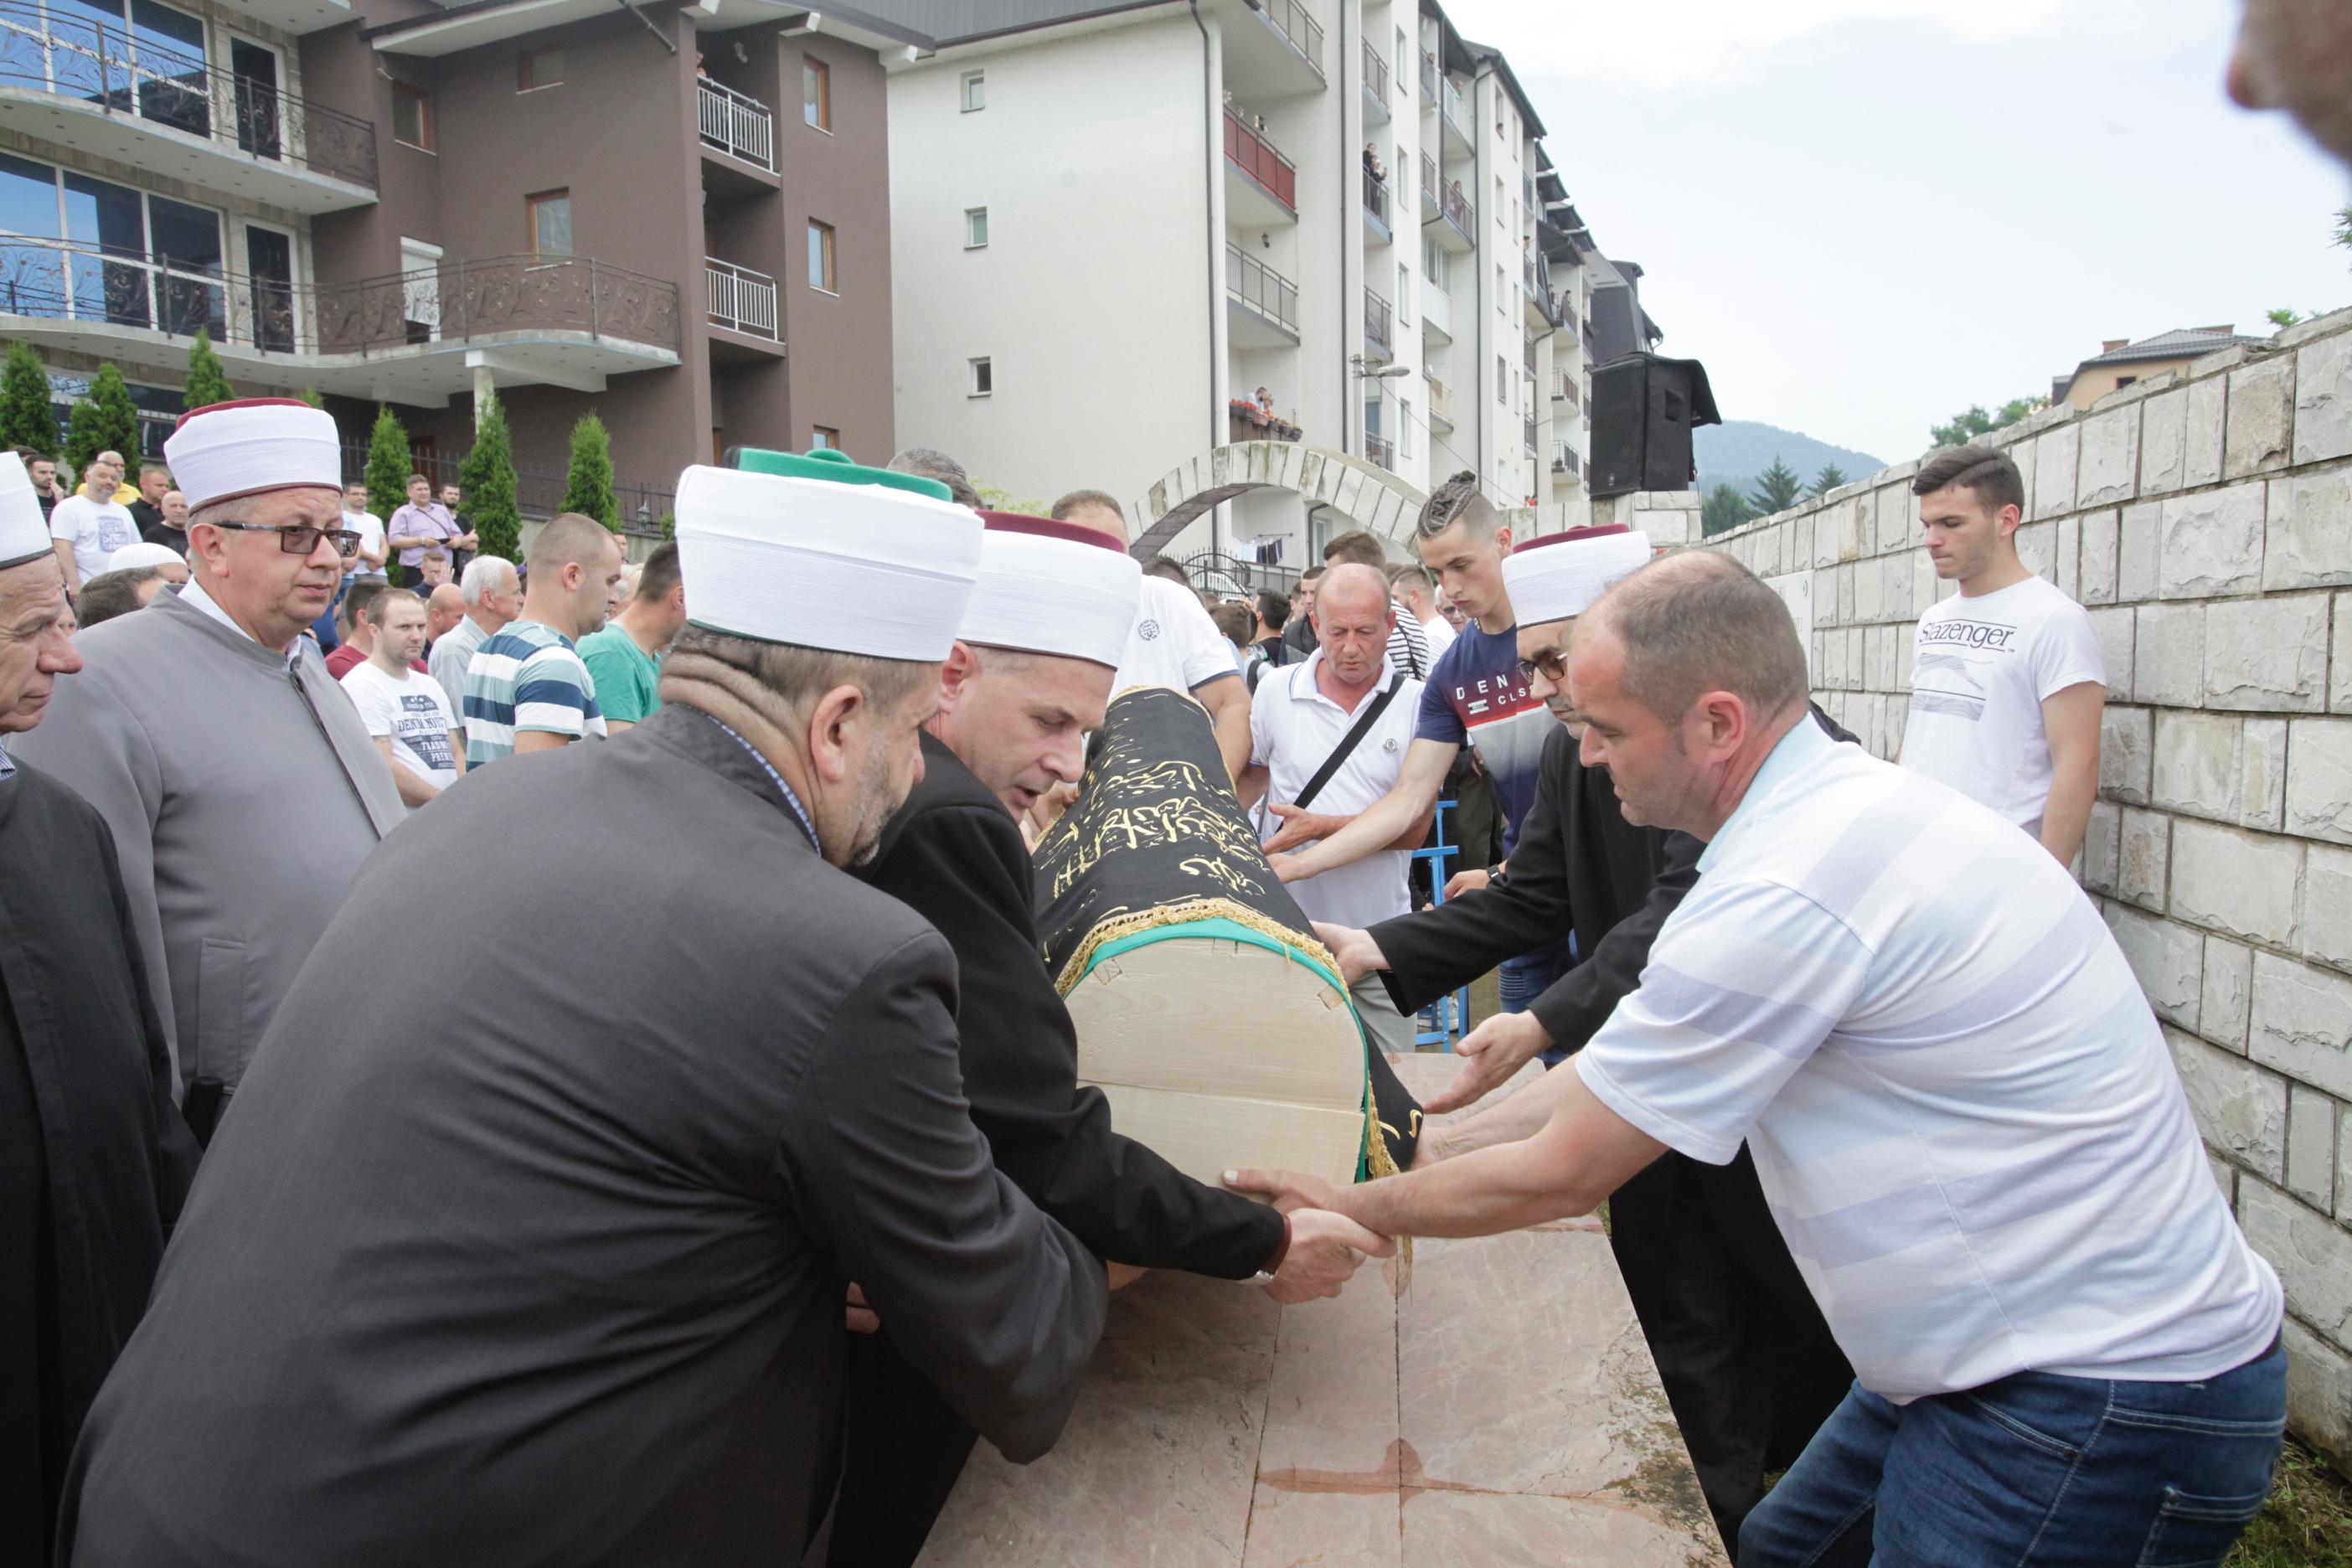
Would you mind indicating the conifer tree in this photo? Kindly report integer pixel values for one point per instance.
(107, 421)
(26, 415)
(588, 481)
(207, 382)
(488, 478)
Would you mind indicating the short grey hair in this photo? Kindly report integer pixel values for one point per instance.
(486, 574)
(798, 675)
(1698, 622)
(928, 463)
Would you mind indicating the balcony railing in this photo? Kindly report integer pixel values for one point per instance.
(1253, 156)
(1564, 388)
(1382, 451)
(738, 299)
(90, 60)
(1305, 34)
(1441, 400)
(1534, 288)
(737, 124)
(1428, 75)
(1246, 421)
(1563, 459)
(1458, 210)
(1376, 74)
(1531, 437)
(67, 280)
(1457, 113)
(1376, 199)
(1378, 330)
(1261, 288)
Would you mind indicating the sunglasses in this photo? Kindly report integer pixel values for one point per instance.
(1553, 667)
(301, 538)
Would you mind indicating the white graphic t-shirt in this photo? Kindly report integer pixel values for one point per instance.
(1980, 669)
(95, 529)
(414, 712)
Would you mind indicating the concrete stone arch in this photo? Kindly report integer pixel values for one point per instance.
(1374, 499)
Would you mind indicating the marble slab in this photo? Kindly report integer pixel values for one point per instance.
(1500, 1408)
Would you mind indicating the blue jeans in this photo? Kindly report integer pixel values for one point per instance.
(2033, 1469)
(1520, 981)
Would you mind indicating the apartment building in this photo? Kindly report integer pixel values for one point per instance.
(1124, 235)
(673, 216)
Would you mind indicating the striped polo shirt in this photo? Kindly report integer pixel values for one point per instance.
(526, 676)
(1961, 1108)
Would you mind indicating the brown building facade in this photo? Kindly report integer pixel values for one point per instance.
(672, 216)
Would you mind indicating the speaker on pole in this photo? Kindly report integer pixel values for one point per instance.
(1643, 410)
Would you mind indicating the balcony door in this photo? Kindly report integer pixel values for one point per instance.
(420, 290)
(269, 261)
(259, 127)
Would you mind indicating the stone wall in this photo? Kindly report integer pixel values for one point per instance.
(2205, 519)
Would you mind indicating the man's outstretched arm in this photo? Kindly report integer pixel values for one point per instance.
(1376, 828)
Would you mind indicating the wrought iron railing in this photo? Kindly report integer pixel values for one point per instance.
(737, 123)
(1563, 459)
(1305, 34)
(1261, 288)
(82, 58)
(64, 280)
(740, 298)
(1378, 319)
(1376, 197)
(538, 493)
(1248, 150)
(1376, 74)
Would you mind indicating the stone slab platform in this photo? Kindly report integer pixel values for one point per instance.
(1503, 1410)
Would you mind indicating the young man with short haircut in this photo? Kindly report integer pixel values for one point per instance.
(2007, 679)
(373, 551)
(407, 714)
(1409, 586)
(526, 688)
(625, 657)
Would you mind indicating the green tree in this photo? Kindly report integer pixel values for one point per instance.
(207, 382)
(313, 396)
(588, 480)
(106, 421)
(388, 464)
(996, 497)
(27, 417)
(1973, 422)
(1778, 489)
(1724, 510)
(1828, 479)
(488, 477)
(2282, 317)
(2342, 228)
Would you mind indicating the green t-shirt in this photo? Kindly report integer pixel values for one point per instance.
(626, 676)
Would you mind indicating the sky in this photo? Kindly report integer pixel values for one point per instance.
(1864, 216)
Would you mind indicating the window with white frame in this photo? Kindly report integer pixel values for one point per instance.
(975, 228)
(1404, 294)
(981, 377)
(975, 88)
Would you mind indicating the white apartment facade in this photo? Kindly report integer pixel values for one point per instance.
(1111, 233)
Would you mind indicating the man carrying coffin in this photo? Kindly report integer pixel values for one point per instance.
(1746, 1362)
(560, 1279)
(1029, 677)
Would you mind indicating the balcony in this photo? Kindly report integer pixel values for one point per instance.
(1563, 460)
(1563, 387)
(1376, 86)
(1527, 355)
(1261, 185)
(1376, 204)
(1454, 111)
(1457, 219)
(737, 124)
(1531, 437)
(1436, 312)
(1429, 77)
(1382, 451)
(740, 300)
(1440, 402)
(1430, 190)
(1378, 329)
(1247, 421)
(413, 337)
(1260, 304)
(93, 87)
(1273, 49)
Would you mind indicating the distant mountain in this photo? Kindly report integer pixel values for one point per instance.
(1737, 451)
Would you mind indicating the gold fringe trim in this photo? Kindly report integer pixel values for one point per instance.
(1379, 1162)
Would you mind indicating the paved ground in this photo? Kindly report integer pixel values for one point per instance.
(1502, 1411)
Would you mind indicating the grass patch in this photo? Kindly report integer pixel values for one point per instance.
(2306, 1523)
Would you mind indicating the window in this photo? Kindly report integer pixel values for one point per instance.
(138, 234)
(1432, 260)
(412, 117)
(975, 91)
(1404, 428)
(820, 258)
(823, 440)
(2123, 381)
(1400, 70)
(816, 92)
(1404, 294)
(535, 68)
(1502, 381)
(551, 223)
(1499, 200)
(975, 228)
(983, 377)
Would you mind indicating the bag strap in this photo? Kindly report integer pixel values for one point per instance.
(1364, 722)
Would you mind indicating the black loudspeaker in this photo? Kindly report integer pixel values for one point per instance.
(1643, 409)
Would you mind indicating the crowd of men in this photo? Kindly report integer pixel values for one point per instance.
(677, 1228)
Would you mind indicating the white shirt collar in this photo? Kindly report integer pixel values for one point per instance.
(1304, 686)
(192, 594)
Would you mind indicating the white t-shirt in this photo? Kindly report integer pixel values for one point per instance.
(1293, 728)
(95, 529)
(1173, 643)
(1980, 669)
(1439, 632)
(1961, 1109)
(414, 712)
(370, 528)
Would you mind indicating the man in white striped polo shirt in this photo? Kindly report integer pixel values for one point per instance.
(527, 689)
(1959, 1104)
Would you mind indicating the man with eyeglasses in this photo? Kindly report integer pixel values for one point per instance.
(241, 787)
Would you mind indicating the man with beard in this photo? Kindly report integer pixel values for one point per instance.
(1029, 676)
(1748, 1363)
(559, 1276)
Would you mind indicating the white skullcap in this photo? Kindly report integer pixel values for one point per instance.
(856, 566)
(225, 450)
(144, 552)
(24, 532)
(1053, 587)
(1553, 578)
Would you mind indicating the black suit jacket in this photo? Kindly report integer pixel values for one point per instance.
(1577, 866)
(953, 853)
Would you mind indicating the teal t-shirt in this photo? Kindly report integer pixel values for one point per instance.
(627, 677)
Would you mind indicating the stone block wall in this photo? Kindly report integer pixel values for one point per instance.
(2205, 520)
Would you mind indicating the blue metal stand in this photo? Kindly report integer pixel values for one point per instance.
(1451, 1011)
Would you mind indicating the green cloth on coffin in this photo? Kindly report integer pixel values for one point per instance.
(1209, 1017)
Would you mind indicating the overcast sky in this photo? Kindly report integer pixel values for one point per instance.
(1862, 221)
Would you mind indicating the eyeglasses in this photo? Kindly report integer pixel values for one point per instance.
(301, 538)
(1553, 667)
